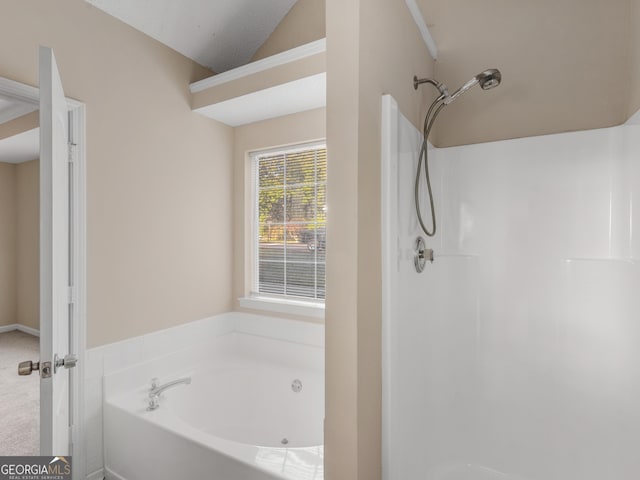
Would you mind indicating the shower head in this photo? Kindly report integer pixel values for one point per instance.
(488, 79)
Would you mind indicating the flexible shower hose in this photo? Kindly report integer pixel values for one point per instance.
(424, 158)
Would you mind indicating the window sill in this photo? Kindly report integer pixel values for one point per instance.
(286, 306)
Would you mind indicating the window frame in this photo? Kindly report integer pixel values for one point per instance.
(287, 304)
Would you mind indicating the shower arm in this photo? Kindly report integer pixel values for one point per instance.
(441, 87)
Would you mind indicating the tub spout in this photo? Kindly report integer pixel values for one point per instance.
(157, 389)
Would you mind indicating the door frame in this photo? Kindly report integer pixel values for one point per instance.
(30, 95)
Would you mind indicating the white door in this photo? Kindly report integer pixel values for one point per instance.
(55, 432)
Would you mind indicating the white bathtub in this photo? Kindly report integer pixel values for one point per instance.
(239, 419)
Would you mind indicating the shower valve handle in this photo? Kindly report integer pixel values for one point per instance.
(422, 254)
(426, 255)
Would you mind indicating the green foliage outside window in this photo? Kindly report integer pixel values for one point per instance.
(292, 195)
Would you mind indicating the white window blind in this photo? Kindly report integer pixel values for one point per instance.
(290, 223)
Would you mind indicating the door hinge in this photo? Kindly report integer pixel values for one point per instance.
(72, 295)
(71, 152)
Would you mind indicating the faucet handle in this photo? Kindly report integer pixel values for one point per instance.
(155, 383)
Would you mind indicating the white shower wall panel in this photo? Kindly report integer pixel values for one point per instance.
(630, 173)
(516, 354)
(548, 196)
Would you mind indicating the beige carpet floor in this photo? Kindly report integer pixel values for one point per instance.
(19, 396)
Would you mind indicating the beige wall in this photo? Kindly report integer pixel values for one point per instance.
(20, 125)
(8, 244)
(28, 244)
(634, 16)
(291, 129)
(304, 23)
(19, 244)
(373, 48)
(565, 66)
(158, 177)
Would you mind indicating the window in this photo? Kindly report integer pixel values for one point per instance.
(290, 222)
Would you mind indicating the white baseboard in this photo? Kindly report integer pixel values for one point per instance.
(22, 328)
(29, 330)
(8, 328)
(97, 475)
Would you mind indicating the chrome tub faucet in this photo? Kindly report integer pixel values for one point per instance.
(157, 389)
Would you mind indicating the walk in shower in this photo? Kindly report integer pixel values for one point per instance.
(516, 353)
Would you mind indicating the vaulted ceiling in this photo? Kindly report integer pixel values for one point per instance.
(218, 34)
(566, 64)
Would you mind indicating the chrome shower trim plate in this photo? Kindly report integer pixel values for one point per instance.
(422, 254)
